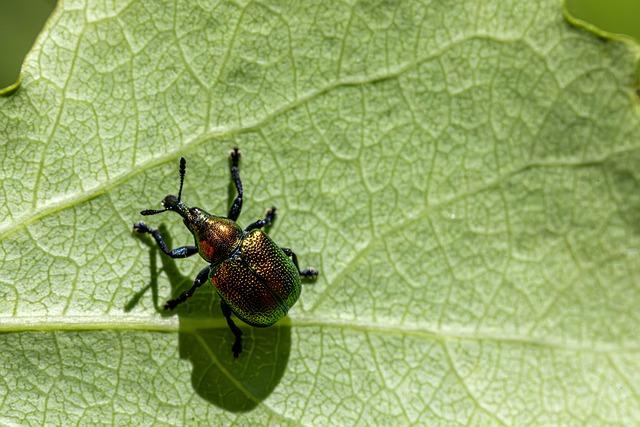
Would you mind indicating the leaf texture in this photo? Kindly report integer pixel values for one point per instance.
(463, 174)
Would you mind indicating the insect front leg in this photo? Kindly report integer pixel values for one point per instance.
(181, 252)
(237, 333)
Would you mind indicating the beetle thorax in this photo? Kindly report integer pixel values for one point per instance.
(216, 238)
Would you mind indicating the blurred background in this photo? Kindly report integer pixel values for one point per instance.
(21, 22)
(614, 16)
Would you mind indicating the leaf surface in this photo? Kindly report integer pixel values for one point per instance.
(464, 176)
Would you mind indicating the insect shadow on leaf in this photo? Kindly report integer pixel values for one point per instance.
(176, 279)
(257, 280)
(236, 385)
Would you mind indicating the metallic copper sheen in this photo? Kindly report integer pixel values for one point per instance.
(216, 237)
(254, 276)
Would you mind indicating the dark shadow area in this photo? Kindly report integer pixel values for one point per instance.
(20, 24)
(153, 267)
(233, 384)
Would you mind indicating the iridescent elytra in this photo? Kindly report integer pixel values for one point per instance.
(256, 279)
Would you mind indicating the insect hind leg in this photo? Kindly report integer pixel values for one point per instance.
(237, 333)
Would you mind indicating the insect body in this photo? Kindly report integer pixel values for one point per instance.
(257, 280)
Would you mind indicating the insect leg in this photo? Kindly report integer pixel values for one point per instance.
(307, 272)
(268, 219)
(236, 207)
(202, 277)
(181, 252)
(237, 333)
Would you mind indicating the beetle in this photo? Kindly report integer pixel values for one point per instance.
(256, 280)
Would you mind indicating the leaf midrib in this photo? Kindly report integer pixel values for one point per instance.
(173, 324)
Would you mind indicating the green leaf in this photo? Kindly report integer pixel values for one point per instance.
(464, 176)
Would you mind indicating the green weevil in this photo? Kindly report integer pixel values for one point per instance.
(256, 280)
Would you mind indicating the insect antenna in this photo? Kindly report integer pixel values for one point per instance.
(152, 211)
(183, 169)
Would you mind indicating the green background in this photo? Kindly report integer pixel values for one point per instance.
(20, 23)
(615, 16)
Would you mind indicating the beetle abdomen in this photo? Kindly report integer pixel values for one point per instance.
(268, 261)
(261, 283)
(249, 298)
